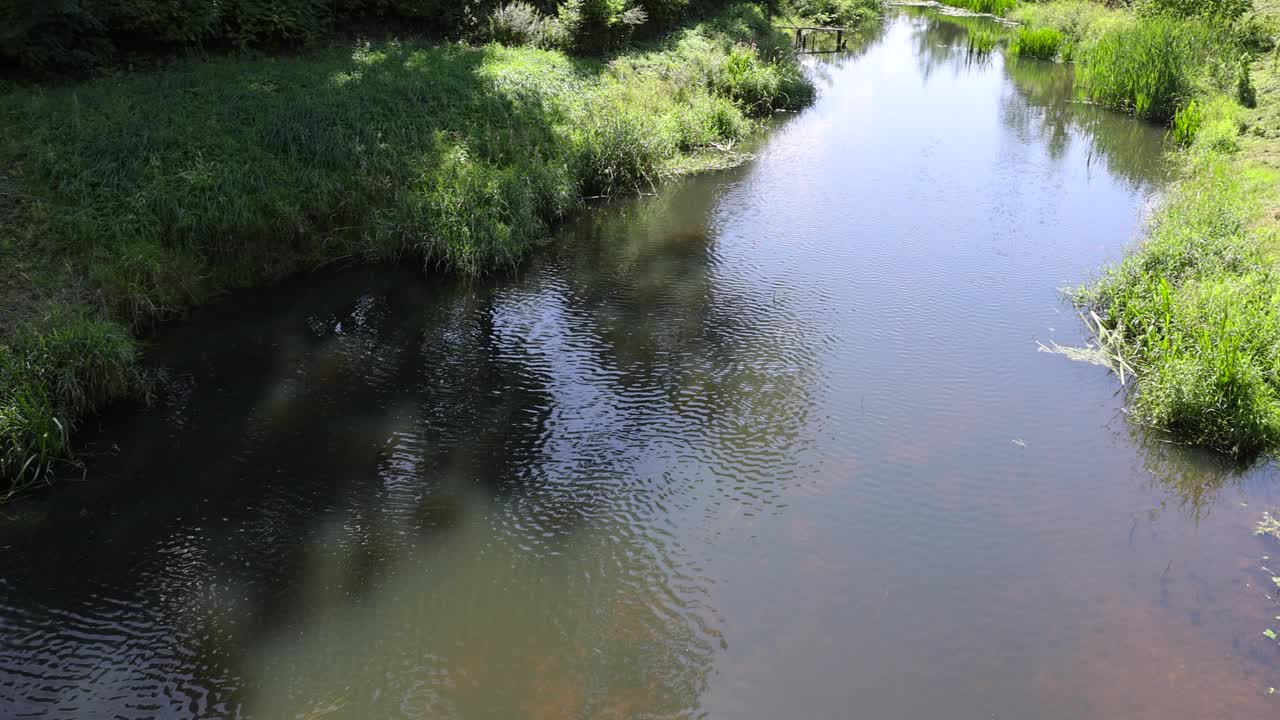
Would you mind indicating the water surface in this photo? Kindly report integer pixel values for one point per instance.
(775, 442)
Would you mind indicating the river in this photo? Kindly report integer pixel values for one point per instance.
(771, 442)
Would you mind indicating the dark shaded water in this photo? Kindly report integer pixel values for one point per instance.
(774, 443)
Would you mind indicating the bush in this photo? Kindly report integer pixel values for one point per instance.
(1246, 93)
(254, 22)
(663, 14)
(517, 23)
(596, 26)
(82, 35)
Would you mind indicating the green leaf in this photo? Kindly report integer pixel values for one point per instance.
(1269, 633)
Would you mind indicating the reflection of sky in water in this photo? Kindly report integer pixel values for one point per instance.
(743, 449)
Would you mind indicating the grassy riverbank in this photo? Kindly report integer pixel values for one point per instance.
(1194, 310)
(130, 198)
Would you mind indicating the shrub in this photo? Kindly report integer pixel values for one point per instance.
(1258, 33)
(253, 22)
(517, 23)
(662, 14)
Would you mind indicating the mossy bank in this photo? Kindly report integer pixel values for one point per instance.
(130, 198)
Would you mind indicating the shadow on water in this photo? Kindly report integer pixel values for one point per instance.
(338, 450)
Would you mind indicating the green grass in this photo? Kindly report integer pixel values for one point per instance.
(1195, 309)
(982, 42)
(151, 193)
(1077, 20)
(52, 374)
(988, 7)
(1151, 68)
(1041, 42)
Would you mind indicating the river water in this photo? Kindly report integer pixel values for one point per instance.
(774, 442)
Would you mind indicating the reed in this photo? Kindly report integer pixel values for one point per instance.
(1150, 67)
(1042, 42)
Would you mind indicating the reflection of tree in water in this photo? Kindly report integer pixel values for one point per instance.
(857, 41)
(1045, 108)
(426, 501)
(942, 40)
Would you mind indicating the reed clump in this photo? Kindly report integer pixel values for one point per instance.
(1043, 42)
(1151, 67)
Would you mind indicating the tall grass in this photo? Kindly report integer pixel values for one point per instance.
(1149, 68)
(989, 7)
(163, 190)
(49, 376)
(1037, 42)
(1193, 309)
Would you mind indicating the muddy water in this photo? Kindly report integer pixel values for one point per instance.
(775, 442)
